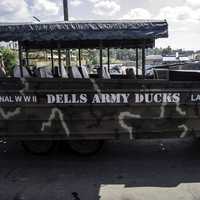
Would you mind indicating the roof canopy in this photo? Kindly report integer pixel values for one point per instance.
(83, 34)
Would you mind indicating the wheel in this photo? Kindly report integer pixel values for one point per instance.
(85, 147)
(38, 147)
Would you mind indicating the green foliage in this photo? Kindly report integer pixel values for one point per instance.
(9, 58)
(167, 51)
(91, 56)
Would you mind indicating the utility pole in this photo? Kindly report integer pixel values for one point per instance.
(66, 18)
(65, 9)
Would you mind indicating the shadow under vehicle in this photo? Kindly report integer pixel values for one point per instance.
(44, 105)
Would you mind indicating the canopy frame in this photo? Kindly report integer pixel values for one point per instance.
(85, 35)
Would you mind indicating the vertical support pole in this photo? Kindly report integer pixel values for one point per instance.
(46, 54)
(79, 57)
(59, 60)
(52, 60)
(66, 18)
(20, 59)
(108, 59)
(101, 59)
(68, 61)
(137, 64)
(143, 62)
(27, 59)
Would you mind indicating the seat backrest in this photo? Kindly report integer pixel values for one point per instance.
(17, 72)
(64, 73)
(74, 73)
(44, 72)
(56, 72)
(84, 72)
(130, 73)
(2, 73)
(155, 74)
(161, 73)
(105, 73)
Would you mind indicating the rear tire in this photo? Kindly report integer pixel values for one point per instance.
(38, 147)
(85, 147)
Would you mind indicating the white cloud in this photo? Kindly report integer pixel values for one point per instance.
(23, 10)
(45, 7)
(194, 3)
(94, 1)
(72, 18)
(184, 29)
(137, 13)
(180, 13)
(105, 7)
(181, 19)
(14, 10)
(184, 24)
(76, 3)
(47, 10)
(183, 16)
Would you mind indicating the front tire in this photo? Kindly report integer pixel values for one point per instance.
(38, 147)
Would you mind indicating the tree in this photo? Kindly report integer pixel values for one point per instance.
(167, 51)
(9, 57)
(91, 56)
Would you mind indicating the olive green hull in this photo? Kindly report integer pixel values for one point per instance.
(101, 109)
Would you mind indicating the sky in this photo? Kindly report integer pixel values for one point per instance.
(183, 16)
